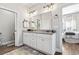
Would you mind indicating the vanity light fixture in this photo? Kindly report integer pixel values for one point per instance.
(31, 12)
(48, 7)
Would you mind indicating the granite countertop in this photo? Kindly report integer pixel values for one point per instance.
(40, 32)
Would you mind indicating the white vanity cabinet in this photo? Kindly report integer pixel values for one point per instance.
(26, 38)
(42, 42)
(29, 39)
(33, 40)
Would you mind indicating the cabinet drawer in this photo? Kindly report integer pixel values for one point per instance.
(25, 34)
(46, 36)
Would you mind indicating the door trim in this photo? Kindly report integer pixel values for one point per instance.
(15, 20)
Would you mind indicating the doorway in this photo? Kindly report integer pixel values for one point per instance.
(70, 33)
(7, 26)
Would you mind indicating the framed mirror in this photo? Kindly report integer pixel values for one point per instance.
(33, 25)
(25, 24)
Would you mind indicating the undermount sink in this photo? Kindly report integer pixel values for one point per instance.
(42, 31)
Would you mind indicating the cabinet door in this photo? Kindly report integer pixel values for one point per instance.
(40, 43)
(33, 40)
(26, 38)
(44, 43)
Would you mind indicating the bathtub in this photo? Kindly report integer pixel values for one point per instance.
(71, 37)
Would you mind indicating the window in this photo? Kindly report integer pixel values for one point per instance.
(69, 24)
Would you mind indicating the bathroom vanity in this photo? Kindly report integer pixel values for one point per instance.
(40, 40)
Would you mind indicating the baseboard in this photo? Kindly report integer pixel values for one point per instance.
(8, 42)
(19, 44)
(58, 50)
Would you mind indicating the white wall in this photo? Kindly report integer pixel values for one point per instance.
(21, 14)
(58, 10)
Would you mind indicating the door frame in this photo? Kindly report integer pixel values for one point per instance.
(15, 21)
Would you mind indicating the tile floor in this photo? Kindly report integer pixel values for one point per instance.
(23, 50)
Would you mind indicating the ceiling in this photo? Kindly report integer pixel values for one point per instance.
(30, 5)
(27, 5)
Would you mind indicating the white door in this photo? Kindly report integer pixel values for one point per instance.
(7, 25)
